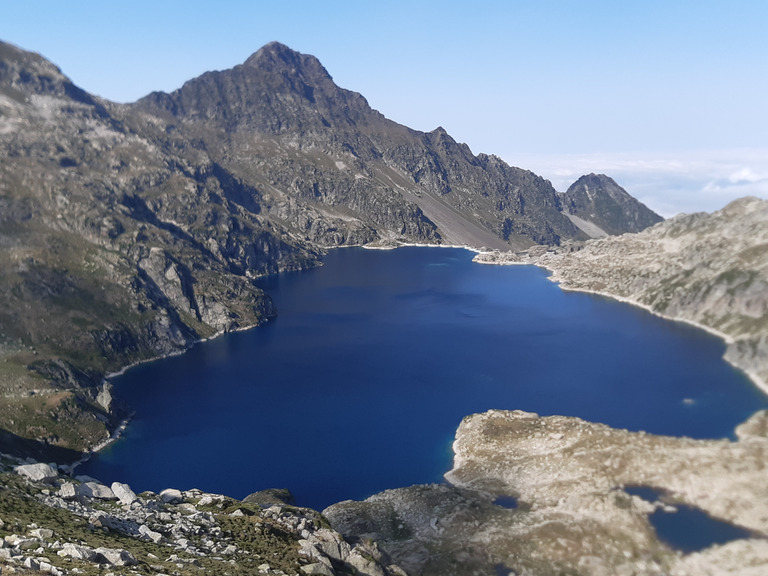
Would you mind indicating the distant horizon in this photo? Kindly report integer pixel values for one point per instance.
(665, 98)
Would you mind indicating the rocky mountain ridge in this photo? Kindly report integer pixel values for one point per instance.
(600, 207)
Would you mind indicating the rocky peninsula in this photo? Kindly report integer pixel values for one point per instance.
(533, 495)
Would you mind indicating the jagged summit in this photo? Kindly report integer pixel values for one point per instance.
(598, 205)
(277, 55)
(276, 90)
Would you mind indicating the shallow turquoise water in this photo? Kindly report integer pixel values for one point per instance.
(360, 383)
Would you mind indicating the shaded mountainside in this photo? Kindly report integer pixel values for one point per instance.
(132, 231)
(601, 207)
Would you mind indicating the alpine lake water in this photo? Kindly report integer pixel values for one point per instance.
(360, 383)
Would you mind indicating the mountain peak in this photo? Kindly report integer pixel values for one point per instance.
(24, 73)
(600, 201)
(276, 57)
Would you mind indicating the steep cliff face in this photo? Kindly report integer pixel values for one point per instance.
(114, 251)
(604, 208)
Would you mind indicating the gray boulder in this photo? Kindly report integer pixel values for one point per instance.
(96, 490)
(37, 472)
(117, 557)
(171, 496)
(123, 493)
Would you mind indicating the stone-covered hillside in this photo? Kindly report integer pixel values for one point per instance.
(558, 495)
(51, 523)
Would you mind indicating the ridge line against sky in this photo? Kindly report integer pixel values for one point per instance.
(667, 97)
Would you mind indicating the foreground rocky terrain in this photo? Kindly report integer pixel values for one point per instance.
(532, 495)
(55, 524)
(707, 269)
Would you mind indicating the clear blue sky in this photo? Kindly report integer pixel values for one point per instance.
(561, 87)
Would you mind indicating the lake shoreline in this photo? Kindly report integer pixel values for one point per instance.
(760, 383)
(116, 434)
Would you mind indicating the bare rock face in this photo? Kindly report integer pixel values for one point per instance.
(571, 512)
(710, 269)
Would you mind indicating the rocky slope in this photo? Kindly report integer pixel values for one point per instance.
(707, 269)
(532, 495)
(55, 524)
(132, 231)
(600, 207)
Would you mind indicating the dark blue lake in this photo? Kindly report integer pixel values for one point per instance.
(362, 380)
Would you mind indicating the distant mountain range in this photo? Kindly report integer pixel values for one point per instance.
(132, 231)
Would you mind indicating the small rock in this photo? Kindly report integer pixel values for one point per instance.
(171, 496)
(117, 557)
(206, 500)
(85, 478)
(41, 533)
(271, 497)
(67, 491)
(95, 490)
(77, 552)
(147, 532)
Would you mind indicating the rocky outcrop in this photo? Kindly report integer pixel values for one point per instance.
(532, 495)
(600, 207)
(55, 524)
(706, 269)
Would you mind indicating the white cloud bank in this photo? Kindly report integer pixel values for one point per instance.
(666, 182)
